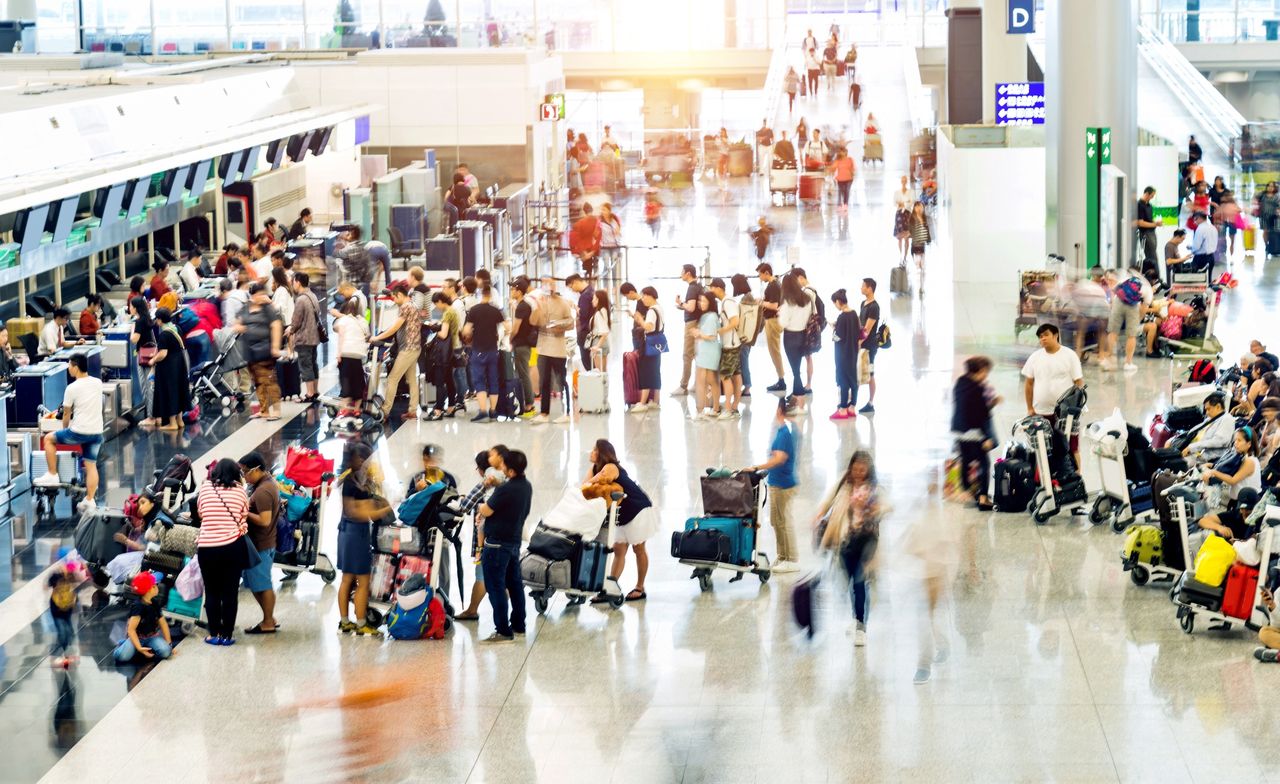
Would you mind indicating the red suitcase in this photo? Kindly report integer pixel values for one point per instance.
(811, 186)
(1241, 587)
(1159, 433)
(383, 582)
(411, 565)
(631, 377)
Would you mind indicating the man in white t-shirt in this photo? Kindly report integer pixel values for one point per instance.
(1049, 372)
(81, 426)
(730, 357)
(52, 334)
(190, 272)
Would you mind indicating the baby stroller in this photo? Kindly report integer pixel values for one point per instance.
(725, 536)
(208, 379)
(416, 541)
(569, 551)
(1237, 599)
(1061, 485)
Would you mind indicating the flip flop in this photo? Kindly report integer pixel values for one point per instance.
(467, 617)
(259, 630)
(599, 599)
(631, 597)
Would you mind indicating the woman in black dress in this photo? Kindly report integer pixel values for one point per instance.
(172, 394)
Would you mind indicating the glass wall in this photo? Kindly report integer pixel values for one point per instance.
(1215, 21)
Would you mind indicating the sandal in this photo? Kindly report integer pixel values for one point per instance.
(600, 598)
(435, 416)
(467, 616)
(634, 597)
(259, 630)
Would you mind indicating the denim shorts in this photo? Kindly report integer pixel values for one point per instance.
(484, 371)
(89, 444)
(258, 579)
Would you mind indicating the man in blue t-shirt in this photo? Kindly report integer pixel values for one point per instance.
(503, 528)
(781, 466)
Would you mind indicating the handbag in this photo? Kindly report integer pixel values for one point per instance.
(655, 344)
(190, 582)
(307, 467)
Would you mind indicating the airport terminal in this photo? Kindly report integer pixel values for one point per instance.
(679, 391)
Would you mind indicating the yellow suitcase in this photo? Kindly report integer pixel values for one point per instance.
(22, 326)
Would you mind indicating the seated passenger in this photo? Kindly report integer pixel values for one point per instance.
(1213, 438)
(148, 632)
(1235, 471)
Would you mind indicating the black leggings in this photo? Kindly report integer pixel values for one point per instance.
(547, 368)
(221, 567)
(793, 346)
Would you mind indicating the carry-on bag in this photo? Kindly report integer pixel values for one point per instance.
(382, 583)
(631, 378)
(739, 532)
(396, 539)
(95, 536)
(1240, 589)
(554, 545)
(306, 467)
(804, 602)
(899, 283)
(1143, 544)
(289, 379)
(1015, 485)
(701, 545)
(1192, 591)
(539, 573)
(590, 571)
(1214, 560)
(593, 392)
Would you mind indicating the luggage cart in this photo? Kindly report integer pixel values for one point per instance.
(784, 181)
(1125, 495)
(1207, 347)
(438, 525)
(1037, 297)
(1066, 489)
(1182, 498)
(306, 556)
(758, 563)
(872, 149)
(579, 594)
(369, 418)
(1193, 602)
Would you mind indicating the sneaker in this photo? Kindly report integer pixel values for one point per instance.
(518, 632)
(87, 505)
(48, 479)
(1270, 655)
(481, 417)
(1129, 367)
(867, 409)
(727, 414)
(639, 408)
(781, 386)
(922, 676)
(365, 630)
(530, 414)
(345, 626)
(695, 416)
(785, 567)
(679, 392)
(497, 638)
(563, 419)
(806, 390)
(839, 415)
(540, 419)
(859, 638)
(1107, 364)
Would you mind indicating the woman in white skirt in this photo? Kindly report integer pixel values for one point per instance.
(637, 519)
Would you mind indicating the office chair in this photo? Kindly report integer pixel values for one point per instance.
(399, 248)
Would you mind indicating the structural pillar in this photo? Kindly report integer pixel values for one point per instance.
(964, 62)
(1004, 56)
(1090, 81)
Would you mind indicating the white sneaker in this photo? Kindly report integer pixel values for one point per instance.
(540, 419)
(859, 638)
(679, 392)
(785, 567)
(562, 419)
(48, 479)
(1107, 364)
(695, 416)
(639, 408)
(727, 414)
(86, 505)
(1129, 367)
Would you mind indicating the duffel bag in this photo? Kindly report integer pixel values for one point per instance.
(728, 496)
(539, 573)
(703, 544)
(552, 544)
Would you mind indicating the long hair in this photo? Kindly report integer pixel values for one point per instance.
(142, 312)
(792, 292)
(601, 302)
(605, 455)
(861, 456)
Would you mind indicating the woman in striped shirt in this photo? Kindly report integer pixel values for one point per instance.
(921, 233)
(224, 507)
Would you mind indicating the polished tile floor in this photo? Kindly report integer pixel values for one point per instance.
(1050, 665)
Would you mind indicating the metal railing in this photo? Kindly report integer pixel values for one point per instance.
(1213, 113)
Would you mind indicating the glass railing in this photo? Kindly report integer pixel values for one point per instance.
(1214, 115)
(1238, 25)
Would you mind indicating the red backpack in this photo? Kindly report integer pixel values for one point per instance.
(437, 619)
(1202, 372)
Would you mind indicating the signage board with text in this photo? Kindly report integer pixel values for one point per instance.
(1020, 103)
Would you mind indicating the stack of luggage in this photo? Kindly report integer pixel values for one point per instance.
(567, 551)
(726, 531)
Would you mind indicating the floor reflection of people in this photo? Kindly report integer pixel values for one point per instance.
(67, 727)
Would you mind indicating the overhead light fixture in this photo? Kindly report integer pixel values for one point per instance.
(691, 85)
(1230, 77)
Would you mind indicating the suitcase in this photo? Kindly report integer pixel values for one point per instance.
(1192, 592)
(631, 377)
(538, 573)
(22, 326)
(1015, 484)
(1140, 499)
(396, 539)
(1159, 433)
(1250, 239)
(289, 379)
(899, 283)
(1173, 555)
(1182, 419)
(383, 579)
(1241, 587)
(804, 603)
(704, 544)
(1192, 396)
(590, 571)
(737, 530)
(165, 563)
(95, 536)
(1143, 544)
(410, 565)
(593, 392)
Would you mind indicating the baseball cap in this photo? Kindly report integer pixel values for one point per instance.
(143, 583)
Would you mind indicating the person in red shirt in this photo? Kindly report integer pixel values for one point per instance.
(89, 324)
(584, 239)
(842, 168)
(158, 287)
(228, 250)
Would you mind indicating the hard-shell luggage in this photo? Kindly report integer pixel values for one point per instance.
(899, 283)
(1161, 481)
(590, 571)
(165, 563)
(382, 583)
(1250, 239)
(1140, 499)
(728, 496)
(804, 603)
(1015, 484)
(396, 539)
(739, 531)
(631, 377)
(1239, 592)
(1159, 432)
(539, 573)
(593, 392)
(701, 545)
(409, 565)
(1143, 544)
(1190, 591)
(288, 377)
(1180, 419)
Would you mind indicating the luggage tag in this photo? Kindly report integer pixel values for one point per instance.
(406, 534)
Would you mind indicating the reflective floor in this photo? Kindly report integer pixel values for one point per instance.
(1045, 663)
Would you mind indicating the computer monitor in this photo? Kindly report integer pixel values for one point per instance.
(320, 140)
(135, 197)
(28, 227)
(198, 176)
(275, 153)
(61, 217)
(299, 143)
(229, 166)
(107, 204)
(174, 182)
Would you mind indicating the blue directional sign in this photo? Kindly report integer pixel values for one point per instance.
(1020, 103)
(1022, 17)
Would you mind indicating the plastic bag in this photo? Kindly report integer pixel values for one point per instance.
(1213, 560)
(190, 582)
(577, 515)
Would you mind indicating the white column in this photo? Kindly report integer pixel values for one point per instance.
(1004, 56)
(1090, 81)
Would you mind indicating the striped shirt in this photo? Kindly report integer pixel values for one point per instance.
(223, 513)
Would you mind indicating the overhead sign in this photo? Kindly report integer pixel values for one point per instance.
(1022, 17)
(1097, 153)
(552, 107)
(1020, 103)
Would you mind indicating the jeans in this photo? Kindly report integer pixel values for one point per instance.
(447, 394)
(125, 652)
(744, 355)
(793, 345)
(551, 377)
(844, 186)
(484, 372)
(221, 567)
(501, 566)
(855, 560)
(64, 635)
(847, 378)
(520, 356)
(460, 381)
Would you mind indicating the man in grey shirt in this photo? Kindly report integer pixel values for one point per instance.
(304, 334)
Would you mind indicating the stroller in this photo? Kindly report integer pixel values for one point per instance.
(417, 541)
(208, 379)
(1061, 485)
(570, 549)
(725, 536)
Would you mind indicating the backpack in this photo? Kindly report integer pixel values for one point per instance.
(883, 338)
(437, 619)
(749, 322)
(813, 328)
(1130, 291)
(412, 507)
(409, 618)
(1202, 372)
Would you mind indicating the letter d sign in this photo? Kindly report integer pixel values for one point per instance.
(1021, 17)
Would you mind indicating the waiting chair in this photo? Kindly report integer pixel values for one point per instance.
(401, 249)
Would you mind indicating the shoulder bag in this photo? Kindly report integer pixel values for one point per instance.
(251, 558)
(655, 342)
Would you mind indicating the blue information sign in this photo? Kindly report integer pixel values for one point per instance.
(1020, 103)
(1022, 17)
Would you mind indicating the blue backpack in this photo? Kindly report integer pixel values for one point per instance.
(409, 617)
(185, 319)
(412, 507)
(1130, 292)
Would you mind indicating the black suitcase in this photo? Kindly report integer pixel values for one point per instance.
(1015, 484)
(1173, 555)
(289, 379)
(553, 544)
(1191, 591)
(1181, 419)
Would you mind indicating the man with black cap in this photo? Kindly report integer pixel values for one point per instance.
(770, 301)
(689, 304)
(264, 514)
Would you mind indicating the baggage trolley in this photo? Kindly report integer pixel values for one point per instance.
(437, 526)
(579, 594)
(1061, 485)
(1125, 495)
(1182, 498)
(758, 564)
(306, 556)
(70, 473)
(784, 181)
(369, 418)
(872, 149)
(1196, 603)
(1207, 347)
